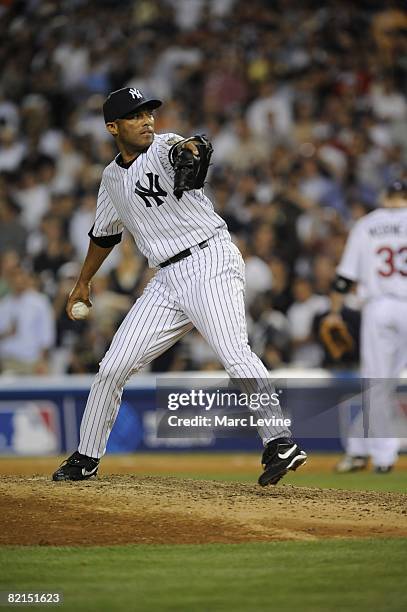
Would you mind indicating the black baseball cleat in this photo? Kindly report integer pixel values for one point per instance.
(77, 467)
(278, 458)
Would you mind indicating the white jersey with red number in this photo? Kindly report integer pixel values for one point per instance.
(375, 255)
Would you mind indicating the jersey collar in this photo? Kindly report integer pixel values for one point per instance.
(119, 161)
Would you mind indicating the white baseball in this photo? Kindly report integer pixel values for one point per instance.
(80, 310)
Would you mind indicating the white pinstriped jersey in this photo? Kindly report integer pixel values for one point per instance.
(375, 255)
(141, 199)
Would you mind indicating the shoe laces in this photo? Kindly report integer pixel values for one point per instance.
(77, 459)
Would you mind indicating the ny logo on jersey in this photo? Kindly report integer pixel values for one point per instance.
(135, 93)
(150, 191)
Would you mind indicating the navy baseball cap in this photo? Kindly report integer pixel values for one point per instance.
(397, 187)
(123, 101)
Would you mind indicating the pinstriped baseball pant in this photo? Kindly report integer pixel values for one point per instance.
(204, 290)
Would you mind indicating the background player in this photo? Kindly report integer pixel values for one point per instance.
(375, 257)
(200, 282)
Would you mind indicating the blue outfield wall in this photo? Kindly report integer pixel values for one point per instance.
(41, 416)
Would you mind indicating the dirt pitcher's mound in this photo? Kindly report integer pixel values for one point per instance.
(162, 510)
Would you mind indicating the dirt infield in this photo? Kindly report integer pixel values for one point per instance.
(125, 508)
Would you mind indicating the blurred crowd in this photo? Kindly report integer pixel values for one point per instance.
(304, 102)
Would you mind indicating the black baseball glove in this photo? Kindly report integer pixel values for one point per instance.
(190, 170)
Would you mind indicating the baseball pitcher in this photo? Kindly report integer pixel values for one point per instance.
(154, 189)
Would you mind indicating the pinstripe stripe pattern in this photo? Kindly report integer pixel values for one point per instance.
(205, 290)
(162, 231)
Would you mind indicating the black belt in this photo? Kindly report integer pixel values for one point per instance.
(181, 255)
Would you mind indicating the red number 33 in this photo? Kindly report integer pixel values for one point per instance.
(394, 261)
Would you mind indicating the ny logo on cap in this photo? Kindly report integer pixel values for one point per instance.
(135, 93)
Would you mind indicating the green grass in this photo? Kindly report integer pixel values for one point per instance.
(366, 481)
(321, 576)
(324, 576)
(362, 481)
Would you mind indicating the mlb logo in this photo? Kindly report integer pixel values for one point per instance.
(29, 428)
